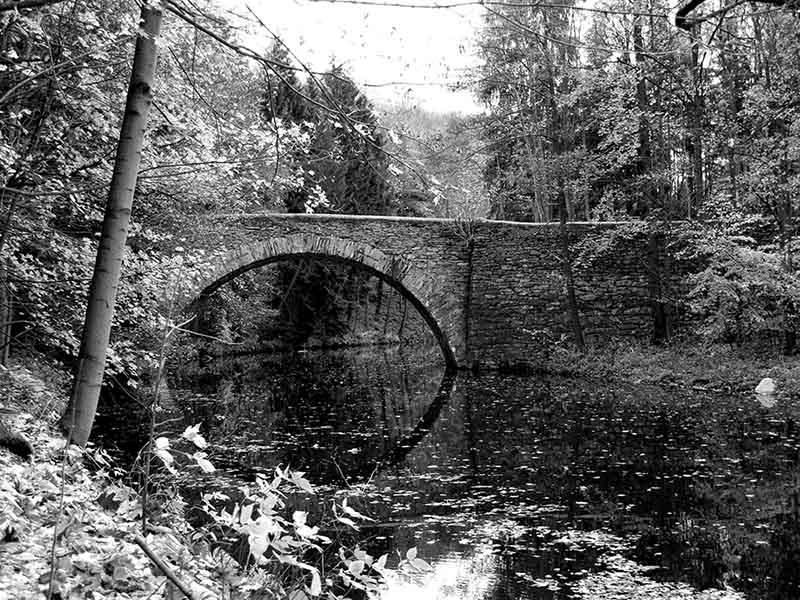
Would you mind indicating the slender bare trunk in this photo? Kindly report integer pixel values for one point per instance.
(6, 315)
(645, 150)
(79, 416)
(695, 144)
(566, 267)
(785, 218)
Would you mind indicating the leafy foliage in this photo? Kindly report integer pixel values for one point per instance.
(742, 294)
(64, 72)
(627, 115)
(342, 167)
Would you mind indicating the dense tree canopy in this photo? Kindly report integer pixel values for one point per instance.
(626, 114)
(609, 114)
(63, 74)
(342, 166)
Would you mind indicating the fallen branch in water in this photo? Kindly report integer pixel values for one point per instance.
(168, 573)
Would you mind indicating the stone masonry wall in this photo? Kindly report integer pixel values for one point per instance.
(518, 288)
(491, 301)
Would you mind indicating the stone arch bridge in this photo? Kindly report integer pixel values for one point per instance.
(487, 289)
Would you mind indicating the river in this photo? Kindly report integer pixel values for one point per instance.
(520, 487)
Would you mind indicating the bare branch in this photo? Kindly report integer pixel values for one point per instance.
(53, 68)
(22, 4)
(168, 572)
(485, 3)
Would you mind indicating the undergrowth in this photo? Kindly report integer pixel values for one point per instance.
(684, 362)
(71, 525)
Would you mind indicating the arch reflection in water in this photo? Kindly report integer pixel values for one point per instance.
(334, 414)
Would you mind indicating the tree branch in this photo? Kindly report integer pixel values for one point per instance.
(168, 573)
(21, 4)
(53, 68)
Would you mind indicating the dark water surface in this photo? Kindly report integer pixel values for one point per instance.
(521, 487)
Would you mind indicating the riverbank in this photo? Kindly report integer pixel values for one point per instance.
(63, 508)
(681, 364)
(71, 523)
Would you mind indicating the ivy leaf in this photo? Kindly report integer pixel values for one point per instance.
(246, 514)
(380, 564)
(316, 583)
(166, 457)
(301, 482)
(258, 545)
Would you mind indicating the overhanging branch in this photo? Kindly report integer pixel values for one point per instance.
(685, 22)
(21, 4)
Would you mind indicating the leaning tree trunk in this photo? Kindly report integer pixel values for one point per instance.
(79, 416)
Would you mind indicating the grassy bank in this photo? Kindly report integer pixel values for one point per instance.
(683, 363)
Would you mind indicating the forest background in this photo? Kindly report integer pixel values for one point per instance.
(590, 112)
(606, 112)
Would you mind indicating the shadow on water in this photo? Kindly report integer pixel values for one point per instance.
(519, 487)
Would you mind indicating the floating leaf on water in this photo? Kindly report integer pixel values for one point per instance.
(354, 513)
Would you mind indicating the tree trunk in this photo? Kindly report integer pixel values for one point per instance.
(566, 267)
(695, 145)
(6, 315)
(79, 416)
(6, 312)
(645, 151)
(660, 327)
(785, 217)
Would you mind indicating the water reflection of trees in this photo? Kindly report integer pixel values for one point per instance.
(336, 415)
(702, 483)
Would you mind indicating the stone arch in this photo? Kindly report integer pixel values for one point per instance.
(410, 281)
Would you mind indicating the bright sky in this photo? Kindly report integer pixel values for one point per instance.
(419, 51)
